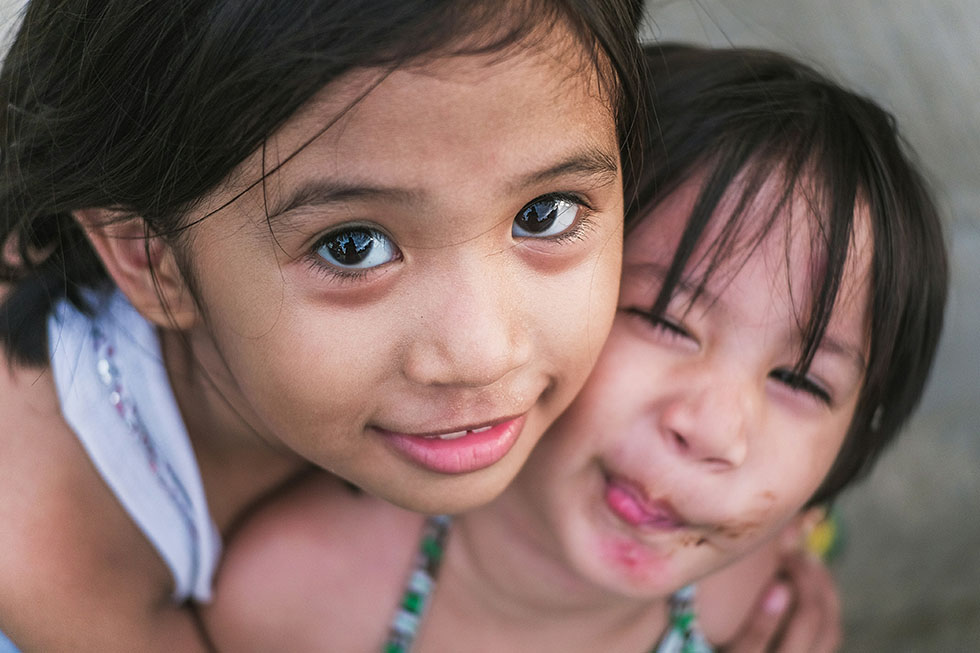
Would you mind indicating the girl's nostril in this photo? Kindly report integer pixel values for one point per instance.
(680, 441)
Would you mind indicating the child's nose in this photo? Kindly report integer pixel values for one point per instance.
(472, 333)
(709, 420)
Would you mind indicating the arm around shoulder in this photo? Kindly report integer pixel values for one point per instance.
(318, 568)
(75, 571)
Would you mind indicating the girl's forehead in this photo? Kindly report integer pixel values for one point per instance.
(465, 129)
(789, 243)
(442, 105)
(546, 59)
(430, 155)
(750, 213)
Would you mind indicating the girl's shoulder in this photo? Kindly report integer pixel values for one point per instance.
(36, 444)
(327, 511)
(321, 544)
(65, 538)
(38, 450)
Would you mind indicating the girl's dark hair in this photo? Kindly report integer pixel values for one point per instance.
(742, 118)
(146, 106)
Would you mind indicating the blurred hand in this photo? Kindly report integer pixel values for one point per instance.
(798, 613)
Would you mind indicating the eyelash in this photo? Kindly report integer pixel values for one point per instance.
(583, 222)
(661, 323)
(583, 225)
(670, 328)
(316, 264)
(795, 382)
(338, 274)
(799, 383)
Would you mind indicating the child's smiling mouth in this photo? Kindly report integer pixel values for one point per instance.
(458, 450)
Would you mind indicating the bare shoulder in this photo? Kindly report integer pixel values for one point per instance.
(71, 555)
(322, 564)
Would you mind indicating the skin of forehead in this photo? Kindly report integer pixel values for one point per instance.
(779, 250)
(341, 100)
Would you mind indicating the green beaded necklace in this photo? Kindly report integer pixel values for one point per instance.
(405, 625)
(682, 636)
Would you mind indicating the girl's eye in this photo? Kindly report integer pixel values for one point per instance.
(800, 383)
(356, 248)
(672, 329)
(665, 326)
(545, 217)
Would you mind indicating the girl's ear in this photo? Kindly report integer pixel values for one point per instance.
(145, 269)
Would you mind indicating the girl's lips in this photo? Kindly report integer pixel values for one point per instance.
(458, 452)
(631, 505)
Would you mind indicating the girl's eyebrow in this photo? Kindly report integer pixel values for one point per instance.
(323, 192)
(590, 162)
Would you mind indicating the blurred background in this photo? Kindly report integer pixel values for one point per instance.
(909, 571)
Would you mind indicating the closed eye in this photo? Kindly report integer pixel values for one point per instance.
(800, 383)
(669, 327)
(666, 327)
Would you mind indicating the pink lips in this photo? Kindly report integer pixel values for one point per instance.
(630, 505)
(460, 452)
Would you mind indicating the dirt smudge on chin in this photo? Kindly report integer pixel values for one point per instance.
(738, 529)
(692, 539)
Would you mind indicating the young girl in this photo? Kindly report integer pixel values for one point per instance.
(239, 238)
(782, 295)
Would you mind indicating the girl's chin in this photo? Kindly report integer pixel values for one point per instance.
(644, 567)
(624, 567)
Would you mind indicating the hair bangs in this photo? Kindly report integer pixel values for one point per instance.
(751, 188)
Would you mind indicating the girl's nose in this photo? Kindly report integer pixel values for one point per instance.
(471, 332)
(709, 420)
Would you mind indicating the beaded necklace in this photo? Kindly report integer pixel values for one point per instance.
(682, 636)
(404, 627)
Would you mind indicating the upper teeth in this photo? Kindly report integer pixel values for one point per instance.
(459, 434)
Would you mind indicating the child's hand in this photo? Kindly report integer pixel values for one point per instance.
(798, 612)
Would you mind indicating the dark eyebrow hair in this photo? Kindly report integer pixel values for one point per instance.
(589, 162)
(321, 192)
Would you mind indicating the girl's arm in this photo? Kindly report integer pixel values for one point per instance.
(319, 567)
(798, 612)
(76, 574)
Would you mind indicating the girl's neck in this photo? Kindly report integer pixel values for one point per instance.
(505, 581)
(237, 465)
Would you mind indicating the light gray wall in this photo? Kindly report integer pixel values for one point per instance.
(910, 572)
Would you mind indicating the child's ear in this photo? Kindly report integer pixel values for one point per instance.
(144, 269)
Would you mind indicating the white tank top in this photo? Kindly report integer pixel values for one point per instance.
(116, 397)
